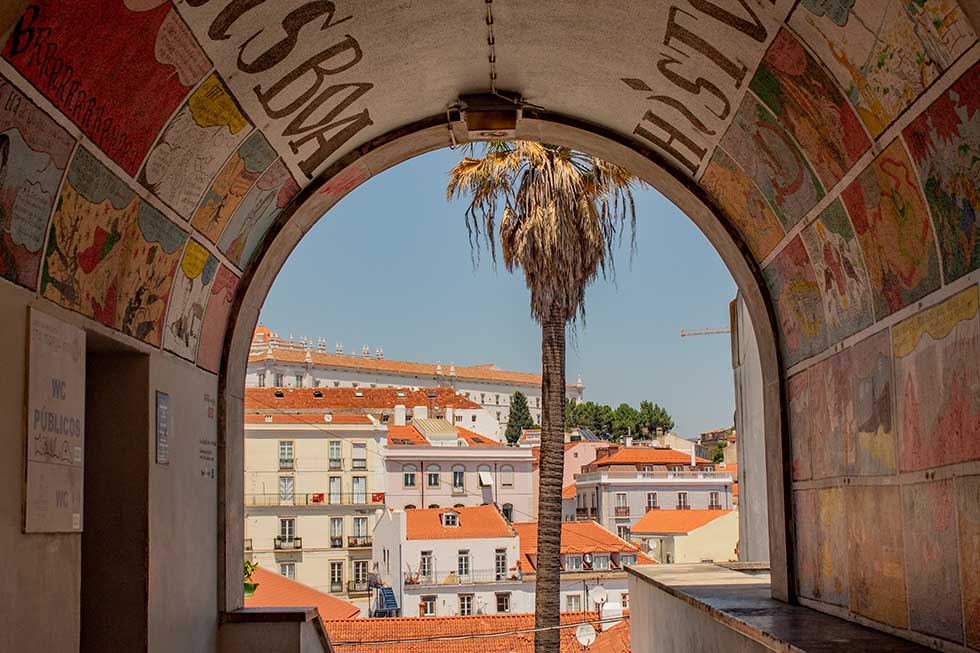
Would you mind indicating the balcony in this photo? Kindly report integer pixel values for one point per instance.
(714, 506)
(358, 542)
(653, 507)
(356, 586)
(287, 543)
(335, 464)
(621, 511)
(585, 513)
(315, 499)
(684, 506)
(359, 463)
(286, 464)
(444, 578)
(336, 587)
(336, 541)
(628, 475)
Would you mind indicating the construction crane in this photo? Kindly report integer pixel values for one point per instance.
(705, 332)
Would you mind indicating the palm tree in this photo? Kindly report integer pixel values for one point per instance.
(563, 215)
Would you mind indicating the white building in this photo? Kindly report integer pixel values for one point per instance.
(274, 362)
(449, 562)
(623, 484)
(431, 463)
(687, 536)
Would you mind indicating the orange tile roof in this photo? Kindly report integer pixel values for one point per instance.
(488, 372)
(339, 399)
(568, 492)
(577, 537)
(397, 436)
(647, 456)
(262, 331)
(474, 522)
(345, 635)
(275, 591)
(678, 522)
(306, 418)
(613, 640)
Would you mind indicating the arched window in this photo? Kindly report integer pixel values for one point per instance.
(459, 479)
(506, 476)
(410, 506)
(483, 476)
(432, 476)
(433, 505)
(408, 475)
(508, 511)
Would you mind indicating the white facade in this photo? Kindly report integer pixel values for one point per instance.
(714, 542)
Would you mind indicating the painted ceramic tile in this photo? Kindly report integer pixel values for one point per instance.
(193, 147)
(839, 268)
(263, 204)
(876, 554)
(799, 306)
(34, 153)
(799, 425)
(932, 559)
(216, 319)
(832, 539)
(831, 414)
(807, 543)
(77, 59)
(110, 255)
(937, 376)
(232, 183)
(872, 450)
(968, 507)
(892, 223)
(945, 144)
(771, 157)
(884, 53)
(743, 204)
(189, 298)
(808, 104)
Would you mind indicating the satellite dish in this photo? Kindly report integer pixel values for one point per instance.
(327, 417)
(585, 634)
(598, 594)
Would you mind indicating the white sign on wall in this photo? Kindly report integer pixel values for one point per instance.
(55, 426)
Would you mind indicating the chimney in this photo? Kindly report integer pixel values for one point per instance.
(381, 352)
(378, 354)
(694, 461)
(452, 369)
(449, 414)
(439, 368)
(338, 347)
(366, 351)
(321, 344)
(420, 412)
(629, 440)
(399, 415)
(578, 383)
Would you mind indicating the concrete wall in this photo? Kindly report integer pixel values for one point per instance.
(753, 526)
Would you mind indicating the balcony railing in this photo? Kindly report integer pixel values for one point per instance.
(287, 463)
(315, 499)
(585, 513)
(653, 507)
(336, 541)
(684, 506)
(625, 474)
(357, 586)
(336, 587)
(287, 543)
(621, 511)
(358, 463)
(714, 506)
(358, 541)
(454, 578)
(335, 464)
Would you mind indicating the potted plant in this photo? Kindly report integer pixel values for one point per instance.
(249, 586)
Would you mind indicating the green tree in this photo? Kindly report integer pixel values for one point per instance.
(571, 414)
(718, 455)
(561, 214)
(520, 417)
(625, 421)
(652, 416)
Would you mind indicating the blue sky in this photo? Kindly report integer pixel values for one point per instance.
(390, 266)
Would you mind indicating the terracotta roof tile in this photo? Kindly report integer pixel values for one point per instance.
(408, 436)
(568, 492)
(577, 537)
(305, 418)
(647, 456)
(474, 522)
(677, 522)
(275, 591)
(613, 640)
(340, 399)
(345, 634)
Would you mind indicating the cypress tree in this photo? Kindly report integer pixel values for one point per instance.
(520, 417)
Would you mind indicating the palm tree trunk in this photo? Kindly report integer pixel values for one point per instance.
(552, 467)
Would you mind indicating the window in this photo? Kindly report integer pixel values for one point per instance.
(473, 419)
(408, 475)
(624, 600)
(457, 418)
(450, 519)
(506, 476)
(288, 569)
(336, 532)
(708, 468)
(336, 384)
(428, 606)
(336, 576)
(299, 381)
(459, 479)
(287, 528)
(620, 499)
(432, 475)
(508, 511)
(682, 503)
(573, 603)
(360, 572)
(646, 468)
(500, 564)
(316, 383)
(677, 468)
(433, 506)
(463, 563)
(623, 531)
(333, 453)
(573, 563)
(359, 455)
(261, 380)
(652, 501)
(360, 489)
(714, 501)
(286, 460)
(503, 602)
(409, 506)
(286, 487)
(465, 605)
(425, 565)
(335, 493)
(600, 561)
(360, 527)
(458, 505)
(627, 559)
(483, 472)
(278, 378)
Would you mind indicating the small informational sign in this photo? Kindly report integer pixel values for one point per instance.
(55, 426)
(163, 428)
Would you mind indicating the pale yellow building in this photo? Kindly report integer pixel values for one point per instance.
(314, 487)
